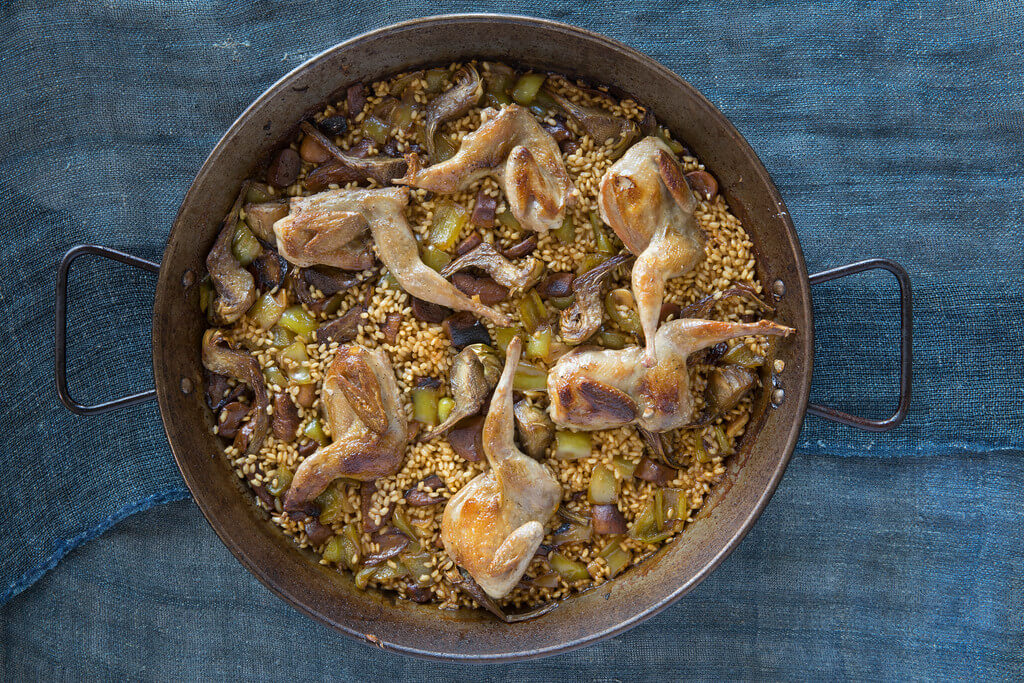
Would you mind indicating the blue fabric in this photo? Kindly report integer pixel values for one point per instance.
(891, 130)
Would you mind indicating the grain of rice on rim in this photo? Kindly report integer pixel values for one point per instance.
(420, 350)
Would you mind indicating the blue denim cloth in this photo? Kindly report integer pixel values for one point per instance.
(891, 130)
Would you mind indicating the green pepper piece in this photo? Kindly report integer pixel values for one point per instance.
(527, 87)
(572, 445)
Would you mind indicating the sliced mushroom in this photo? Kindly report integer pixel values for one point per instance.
(703, 306)
(230, 419)
(603, 388)
(261, 218)
(270, 270)
(727, 384)
(475, 372)
(483, 211)
(474, 590)
(520, 249)
(384, 211)
(381, 169)
(648, 204)
(235, 287)
(390, 542)
(493, 526)
(451, 104)
(428, 312)
(342, 329)
(482, 287)
(333, 280)
(368, 426)
(467, 440)
(464, 330)
(219, 357)
(355, 98)
(511, 146)
(504, 272)
(601, 125)
(285, 419)
(535, 429)
(582, 318)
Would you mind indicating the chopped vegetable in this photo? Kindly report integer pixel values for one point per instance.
(572, 445)
(401, 521)
(654, 472)
(604, 487)
(467, 439)
(611, 339)
(741, 354)
(571, 532)
(529, 377)
(244, 245)
(566, 232)
(376, 129)
(504, 335)
(538, 344)
(589, 262)
(535, 429)
(437, 79)
(314, 430)
(602, 241)
(333, 550)
(258, 193)
(284, 168)
(677, 148)
(279, 482)
(424, 400)
(532, 312)
(727, 384)
(444, 149)
(435, 258)
(296, 319)
(267, 310)
(526, 88)
(333, 504)
(444, 408)
(285, 420)
(449, 220)
(570, 570)
(274, 376)
(464, 330)
(489, 291)
(617, 557)
(621, 308)
(607, 520)
(624, 466)
(650, 525)
(508, 220)
(702, 183)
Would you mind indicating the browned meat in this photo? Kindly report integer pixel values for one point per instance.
(602, 388)
(511, 146)
(646, 201)
(493, 526)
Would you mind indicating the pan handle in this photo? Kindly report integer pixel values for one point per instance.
(906, 347)
(60, 354)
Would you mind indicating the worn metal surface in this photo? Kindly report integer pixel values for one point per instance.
(328, 595)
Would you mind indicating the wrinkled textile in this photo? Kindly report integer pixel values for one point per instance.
(890, 129)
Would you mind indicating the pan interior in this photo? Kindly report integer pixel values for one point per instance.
(329, 596)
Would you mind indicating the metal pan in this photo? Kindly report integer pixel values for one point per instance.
(328, 595)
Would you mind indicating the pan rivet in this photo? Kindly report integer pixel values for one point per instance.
(777, 397)
(188, 278)
(186, 386)
(779, 287)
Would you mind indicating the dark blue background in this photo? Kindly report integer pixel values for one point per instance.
(891, 130)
